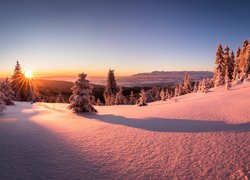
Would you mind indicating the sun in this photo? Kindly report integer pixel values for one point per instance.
(28, 74)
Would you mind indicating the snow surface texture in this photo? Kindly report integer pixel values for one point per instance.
(196, 136)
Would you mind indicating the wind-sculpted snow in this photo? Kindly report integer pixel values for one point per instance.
(196, 136)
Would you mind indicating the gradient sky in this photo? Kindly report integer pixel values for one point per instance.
(68, 37)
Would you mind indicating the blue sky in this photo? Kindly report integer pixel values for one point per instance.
(65, 37)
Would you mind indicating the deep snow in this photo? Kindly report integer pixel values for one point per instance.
(196, 136)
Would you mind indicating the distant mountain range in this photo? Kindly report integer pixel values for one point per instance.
(162, 78)
(176, 73)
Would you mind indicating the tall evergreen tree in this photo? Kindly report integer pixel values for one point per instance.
(167, 95)
(60, 98)
(2, 102)
(243, 57)
(226, 62)
(176, 90)
(17, 82)
(236, 73)
(195, 87)
(204, 86)
(162, 94)
(7, 91)
(180, 91)
(111, 89)
(142, 101)
(132, 98)
(219, 71)
(81, 100)
(227, 78)
(187, 87)
(231, 65)
(119, 98)
(247, 60)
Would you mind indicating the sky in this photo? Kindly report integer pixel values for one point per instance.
(63, 38)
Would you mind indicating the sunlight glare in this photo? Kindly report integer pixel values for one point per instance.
(28, 74)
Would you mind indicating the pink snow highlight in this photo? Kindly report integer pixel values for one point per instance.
(199, 136)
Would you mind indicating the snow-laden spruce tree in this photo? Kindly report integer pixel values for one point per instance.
(17, 82)
(204, 86)
(219, 71)
(119, 98)
(228, 66)
(243, 57)
(111, 89)
(247, 60)
(132, 98)
(2, 102)
(231, 65)
(171, 94)
(7, 91)
(195, 87)
(167, 95)
(227, 78)
(60, 98)
(157, 96)
(187, 87)
(142, 101)
(181, 91)
(81, 99)
(176, 90)
(162, 94)
(236, 73)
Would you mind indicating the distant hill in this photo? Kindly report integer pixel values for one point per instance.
(176, 73)
(163, 78)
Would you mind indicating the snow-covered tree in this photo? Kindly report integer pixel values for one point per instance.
(227, 78)
(119, 98)
(228, 64)
(247, 60)
(17, 82)
(181, 91)
(176, 90)
(153, 94)
(236, 73)
(157, 95)
(142, 101)
(162, 94)
(219, 71)
(204, 86)
(111, 89)
(7, 91)
(132, 98)
(60, 98)
(231, 65)
(242, 57)
(195, 87)
(187, 87)
(99, 102)
(171, 94)
(167, 95)
(2, 102)
(81, 101)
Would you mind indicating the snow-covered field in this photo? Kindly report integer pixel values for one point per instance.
(196, 136)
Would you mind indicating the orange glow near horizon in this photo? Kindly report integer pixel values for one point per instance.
(60, 74)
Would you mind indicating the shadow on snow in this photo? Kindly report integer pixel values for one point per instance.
(171, 125)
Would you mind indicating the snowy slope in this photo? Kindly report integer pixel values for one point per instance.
(198, 136)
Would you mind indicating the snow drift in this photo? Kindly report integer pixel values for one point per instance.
(198, 136)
